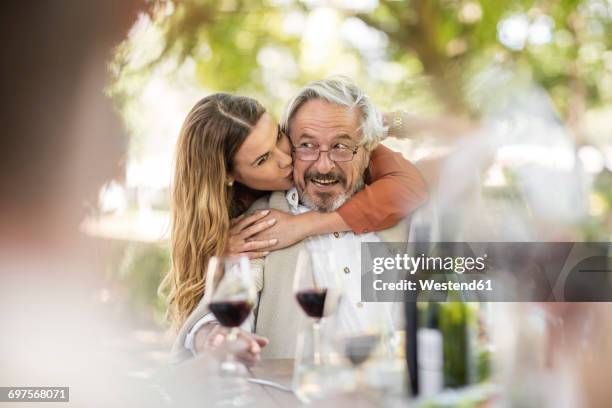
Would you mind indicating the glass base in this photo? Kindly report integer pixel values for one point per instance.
(229, 391)
(233, 369)
(314, 382)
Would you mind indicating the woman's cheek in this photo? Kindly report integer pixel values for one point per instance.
(271, 178)
(286, 146)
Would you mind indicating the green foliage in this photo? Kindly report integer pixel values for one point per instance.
(598, 226)
(140, 271)
(447, 37)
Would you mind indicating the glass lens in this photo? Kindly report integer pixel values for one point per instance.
(307, 153)
(336, 154)
(341, 155)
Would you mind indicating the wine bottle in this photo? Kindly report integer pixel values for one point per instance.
(446, 351)
(457, 323)
(440, 328)
(430, 358)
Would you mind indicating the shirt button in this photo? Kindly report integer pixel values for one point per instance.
(347, 270)
(359, 304)
(337, 234)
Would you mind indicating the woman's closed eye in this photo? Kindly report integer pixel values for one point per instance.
(262, 159)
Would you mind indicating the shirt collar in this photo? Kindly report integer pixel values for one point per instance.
(293, 198)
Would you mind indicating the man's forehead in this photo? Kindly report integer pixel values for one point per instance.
(318, 117)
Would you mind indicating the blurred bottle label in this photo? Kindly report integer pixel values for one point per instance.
(430, 362)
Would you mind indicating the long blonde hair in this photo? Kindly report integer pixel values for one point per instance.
(201, 205)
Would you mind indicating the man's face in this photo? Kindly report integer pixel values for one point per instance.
(323, 184)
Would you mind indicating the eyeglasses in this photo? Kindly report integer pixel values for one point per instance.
(336, 154)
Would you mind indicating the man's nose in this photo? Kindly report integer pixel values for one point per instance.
(323, 164)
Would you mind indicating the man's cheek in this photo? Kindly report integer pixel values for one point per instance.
(300, 185)
(298, 179)
(357, 171)
(347, 177)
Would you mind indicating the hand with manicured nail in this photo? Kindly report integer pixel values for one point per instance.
(243, 229)
(286, 229)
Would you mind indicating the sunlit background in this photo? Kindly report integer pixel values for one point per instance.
(530, 80)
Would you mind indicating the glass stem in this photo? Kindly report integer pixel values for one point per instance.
(232, 337)
(316, 340)
(359, 376)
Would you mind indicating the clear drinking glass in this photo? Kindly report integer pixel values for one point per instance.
(368, 345)
(230, 295)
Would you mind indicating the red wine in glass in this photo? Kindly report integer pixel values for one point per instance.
(317, 288)
(231, 313)
(312, 301)
(230, 301)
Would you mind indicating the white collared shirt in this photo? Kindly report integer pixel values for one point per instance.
(354, 315)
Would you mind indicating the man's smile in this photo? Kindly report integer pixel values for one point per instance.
(324, 182)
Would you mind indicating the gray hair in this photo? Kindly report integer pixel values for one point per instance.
(341, 91)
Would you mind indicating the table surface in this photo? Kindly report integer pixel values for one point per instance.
(194, 383)
(279, 371)
(191, 384)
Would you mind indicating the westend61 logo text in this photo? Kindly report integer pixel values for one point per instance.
(412, 264)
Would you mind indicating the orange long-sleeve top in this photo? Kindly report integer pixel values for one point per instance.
(394, 189)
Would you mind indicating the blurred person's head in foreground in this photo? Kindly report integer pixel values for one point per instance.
(63, 140)
(62, 143)
(333, 127)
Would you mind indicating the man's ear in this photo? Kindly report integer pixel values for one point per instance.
(367, 171)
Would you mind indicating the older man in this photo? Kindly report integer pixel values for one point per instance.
(333, 128)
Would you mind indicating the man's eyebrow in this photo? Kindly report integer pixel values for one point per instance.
(305, 136)
(343, 136)
(339, 137)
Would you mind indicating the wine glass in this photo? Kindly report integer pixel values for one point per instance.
(318, 289)
(230, 295)
(366, 342)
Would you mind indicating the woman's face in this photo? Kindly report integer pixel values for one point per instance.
(263, 162)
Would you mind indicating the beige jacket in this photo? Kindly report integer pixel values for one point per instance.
(278, 316)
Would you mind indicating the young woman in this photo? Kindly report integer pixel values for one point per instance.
(230, 151)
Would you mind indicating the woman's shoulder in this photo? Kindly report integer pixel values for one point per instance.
(261, 203)
(275, 200)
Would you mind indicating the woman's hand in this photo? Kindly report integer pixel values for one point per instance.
(212, 337)
(287, 230)
(242, 235)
